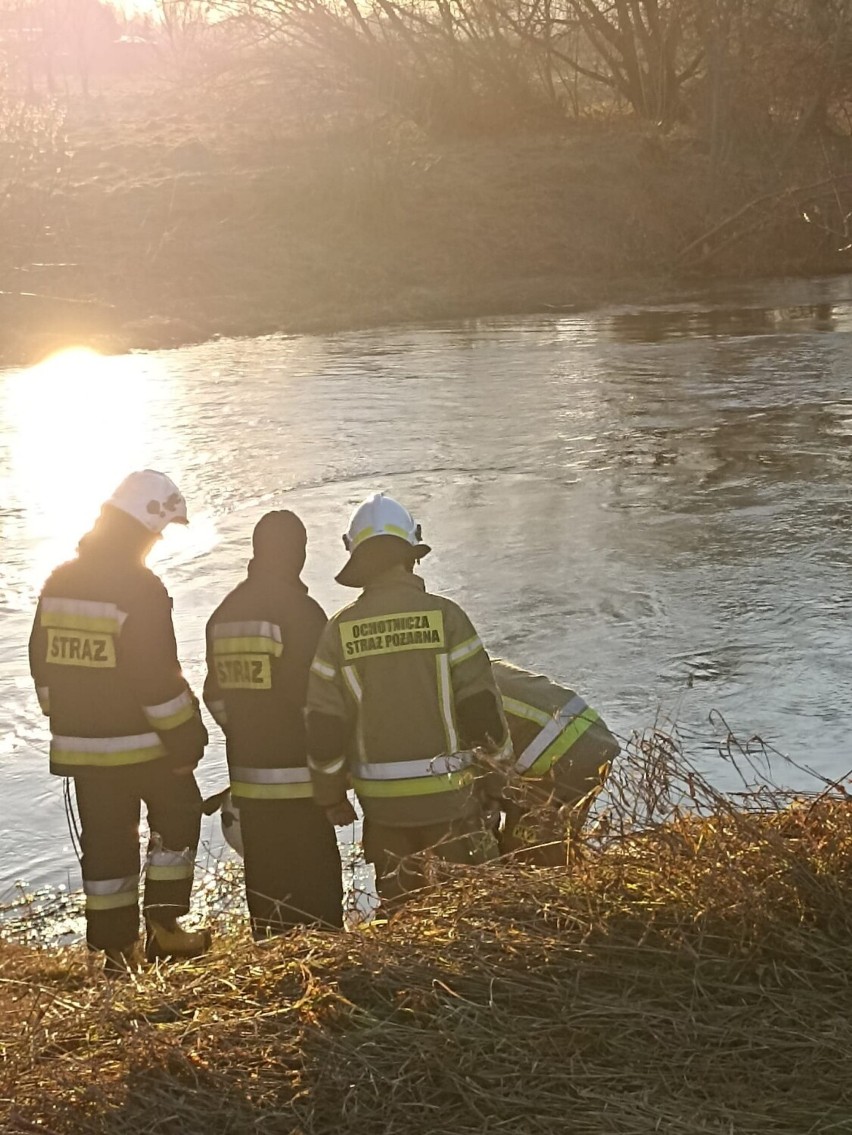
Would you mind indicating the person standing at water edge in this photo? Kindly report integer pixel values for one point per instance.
(124, 723)
(260, 643)
(563, 752)
(401, 692)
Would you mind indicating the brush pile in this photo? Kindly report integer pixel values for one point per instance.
(689, 973)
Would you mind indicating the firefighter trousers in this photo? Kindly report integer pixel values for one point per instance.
(292, 865)
(109, 806)
(405, 858)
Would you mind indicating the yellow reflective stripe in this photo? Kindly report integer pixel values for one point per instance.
(111, 902)
(417, 786)
(528, 712)
(43, 695)
(241, 789)
(465, 650)
(248, 644)
(82, 614)
(105, 760)
(109, 894)
(171, 714)
(105, 752)
(395, 530)
(363, 535)
(445, 701)
(323, 670)
(563, 742)
(166, 874)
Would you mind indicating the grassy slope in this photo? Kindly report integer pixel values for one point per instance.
(691, 979)
(174, 223)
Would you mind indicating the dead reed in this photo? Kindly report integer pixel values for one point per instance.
(689, 973)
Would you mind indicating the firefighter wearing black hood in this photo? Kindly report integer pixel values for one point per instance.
(402, 701)
(260, 643)
(124, 723)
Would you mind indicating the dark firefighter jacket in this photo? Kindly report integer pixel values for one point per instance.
(104, 662)
(400, 669)
(260, 643)
(553, 729)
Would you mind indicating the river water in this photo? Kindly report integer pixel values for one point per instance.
(650, 503)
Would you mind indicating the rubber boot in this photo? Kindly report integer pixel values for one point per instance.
(119, 961)
(166, 939)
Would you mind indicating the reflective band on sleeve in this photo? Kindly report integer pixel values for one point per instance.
(162, 865)
(556, 738)
(323, 670)
(528, 712)
(248, 637)
(350, 675)
(271, 775)
(110, 894)
(445, 701)
(569, 736)
(465, 650)
(81, 614)
(220, 714)
(331, 769)
(171, 714)
(106, 751)
(43, 695)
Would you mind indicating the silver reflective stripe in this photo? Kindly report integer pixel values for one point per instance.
(272, 775)
(350, 674)
(445, 700)
(465, 650)
(163, 865)
(81, 608)
(168, 708)
(442, 765)
(550, 732)
(247, 629)
(329, 770)
(43, 695)
(105, 744)
(323, 669)
(110, 894)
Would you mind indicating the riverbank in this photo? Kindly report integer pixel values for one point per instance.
(149, 221)
(675, 986)
(689, 975)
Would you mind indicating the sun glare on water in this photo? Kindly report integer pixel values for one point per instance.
(75, 425)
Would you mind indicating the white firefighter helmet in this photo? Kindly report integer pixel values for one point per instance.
(231, 829)
(152, 498)
(378, 515)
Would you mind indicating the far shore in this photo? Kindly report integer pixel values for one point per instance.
(150, 230)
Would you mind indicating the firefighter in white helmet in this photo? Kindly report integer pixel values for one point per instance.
(124, 723)
(563, 752)
(402, 701)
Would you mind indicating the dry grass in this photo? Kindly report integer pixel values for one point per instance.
(689, 974)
